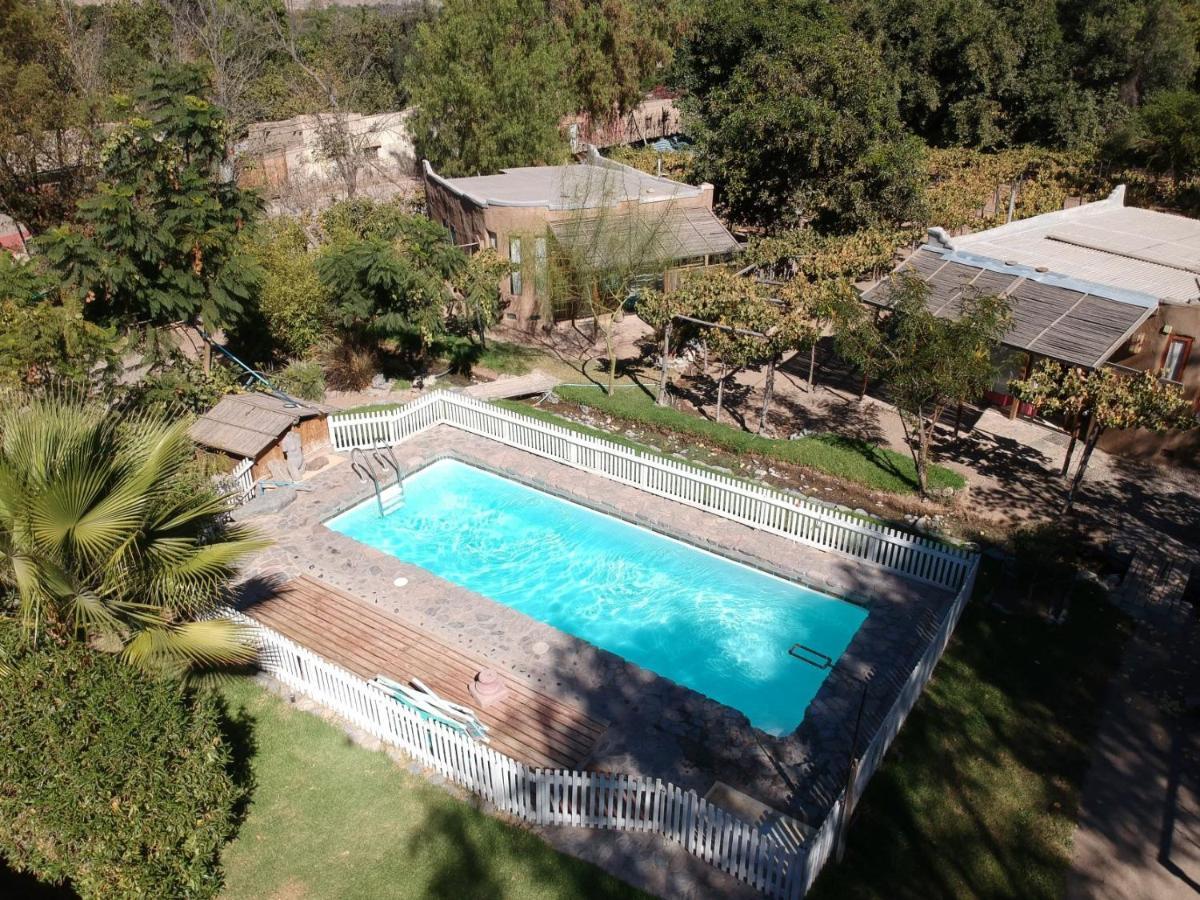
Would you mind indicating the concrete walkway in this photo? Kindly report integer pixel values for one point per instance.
(1139, 823)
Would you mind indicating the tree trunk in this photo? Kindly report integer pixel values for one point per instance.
(862, 390)
(812, 365)
(720, 391)
(612, 357)
(768, 390)
(666, 361)
(1089, 445)
(1076, 426)
(923, 438)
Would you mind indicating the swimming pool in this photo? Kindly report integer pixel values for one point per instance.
(716, 626)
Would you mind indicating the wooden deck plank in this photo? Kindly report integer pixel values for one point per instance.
(425, 650)
(315, 591)
(369, 641)
(374, 658)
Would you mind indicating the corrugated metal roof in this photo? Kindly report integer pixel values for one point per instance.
(1051, 316)
(248, 424)
(678, 233)
(1104, 242)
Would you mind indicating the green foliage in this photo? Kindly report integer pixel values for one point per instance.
(45, 338)
(678, 165)
(857, 461)
(291, 298)
(305, 380)
(477, 285)
(489, 81)
(389, 273)
(47, 151)
(1163, 136)
(160, 238)
(1104, 399)
(929, 363)
(119, 783)
(177, 384)
(110, 534)
(797, 119)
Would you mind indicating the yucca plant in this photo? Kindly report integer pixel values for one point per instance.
(109, 534)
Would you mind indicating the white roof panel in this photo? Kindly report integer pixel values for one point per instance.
(1104, 243)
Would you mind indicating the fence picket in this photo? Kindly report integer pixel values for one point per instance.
(777, 512)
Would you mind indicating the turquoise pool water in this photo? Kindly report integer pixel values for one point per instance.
(718, 627)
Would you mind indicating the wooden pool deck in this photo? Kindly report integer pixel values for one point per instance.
(527, 724)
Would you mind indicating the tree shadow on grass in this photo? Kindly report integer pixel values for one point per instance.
(471, 868)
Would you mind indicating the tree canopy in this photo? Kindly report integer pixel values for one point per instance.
(159, 240)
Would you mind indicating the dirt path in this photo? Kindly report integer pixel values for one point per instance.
(1139, 822)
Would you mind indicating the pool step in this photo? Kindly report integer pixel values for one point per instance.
(391, 498)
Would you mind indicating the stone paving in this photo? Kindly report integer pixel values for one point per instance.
(656, 728)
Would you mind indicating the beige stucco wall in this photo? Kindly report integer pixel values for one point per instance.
(471, 224)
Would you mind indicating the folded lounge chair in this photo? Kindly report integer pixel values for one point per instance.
(428, 705)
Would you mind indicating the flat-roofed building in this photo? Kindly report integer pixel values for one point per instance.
(525, 213)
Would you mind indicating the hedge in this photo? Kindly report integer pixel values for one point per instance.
(120, 784)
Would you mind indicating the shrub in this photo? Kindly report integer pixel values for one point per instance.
(303, 379)
(349, 365)
(291, 299)
(117, 782)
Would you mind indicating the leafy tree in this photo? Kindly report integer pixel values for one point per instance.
(1106, 399)
(160, 240)
(291, 298)
(788, 121)
(489, 81)
(603, 255)
(47, 152)
(391, 277)
(929, 363)
(45, 338)
(120, 784)
(477, 286)
(1164, 136)
(109, 534)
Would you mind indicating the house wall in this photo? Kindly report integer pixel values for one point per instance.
(471, 224)
(1145, 352)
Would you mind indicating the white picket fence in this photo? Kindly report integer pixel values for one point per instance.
(243, 479)
(540, 796)
(601, 800)
(799, 519)
(822, 844)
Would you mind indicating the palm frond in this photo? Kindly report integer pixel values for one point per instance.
(210, 642)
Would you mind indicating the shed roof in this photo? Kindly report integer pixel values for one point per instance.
(1105, 242)
(677, 233)
(248, 424)
(1066, 319)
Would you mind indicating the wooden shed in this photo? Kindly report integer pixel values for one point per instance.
(254, 427)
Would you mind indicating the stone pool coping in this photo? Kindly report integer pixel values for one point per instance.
(657, 728)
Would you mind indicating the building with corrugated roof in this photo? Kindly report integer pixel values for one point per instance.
(524, 213)
(1098, 284)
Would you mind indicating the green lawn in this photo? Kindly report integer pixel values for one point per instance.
(328, 818)
(978, 795)
(854, 460)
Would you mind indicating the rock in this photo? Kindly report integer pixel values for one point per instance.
(269, 503)
(946, 492)
(379, 382)
(861, 512)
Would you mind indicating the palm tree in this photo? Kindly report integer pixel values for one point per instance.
(110, 533)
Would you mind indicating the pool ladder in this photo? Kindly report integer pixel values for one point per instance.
(388, 497)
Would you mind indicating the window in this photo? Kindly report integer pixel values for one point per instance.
(491, 240)
(1175, 357)
(539, 265)
(514, 257)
